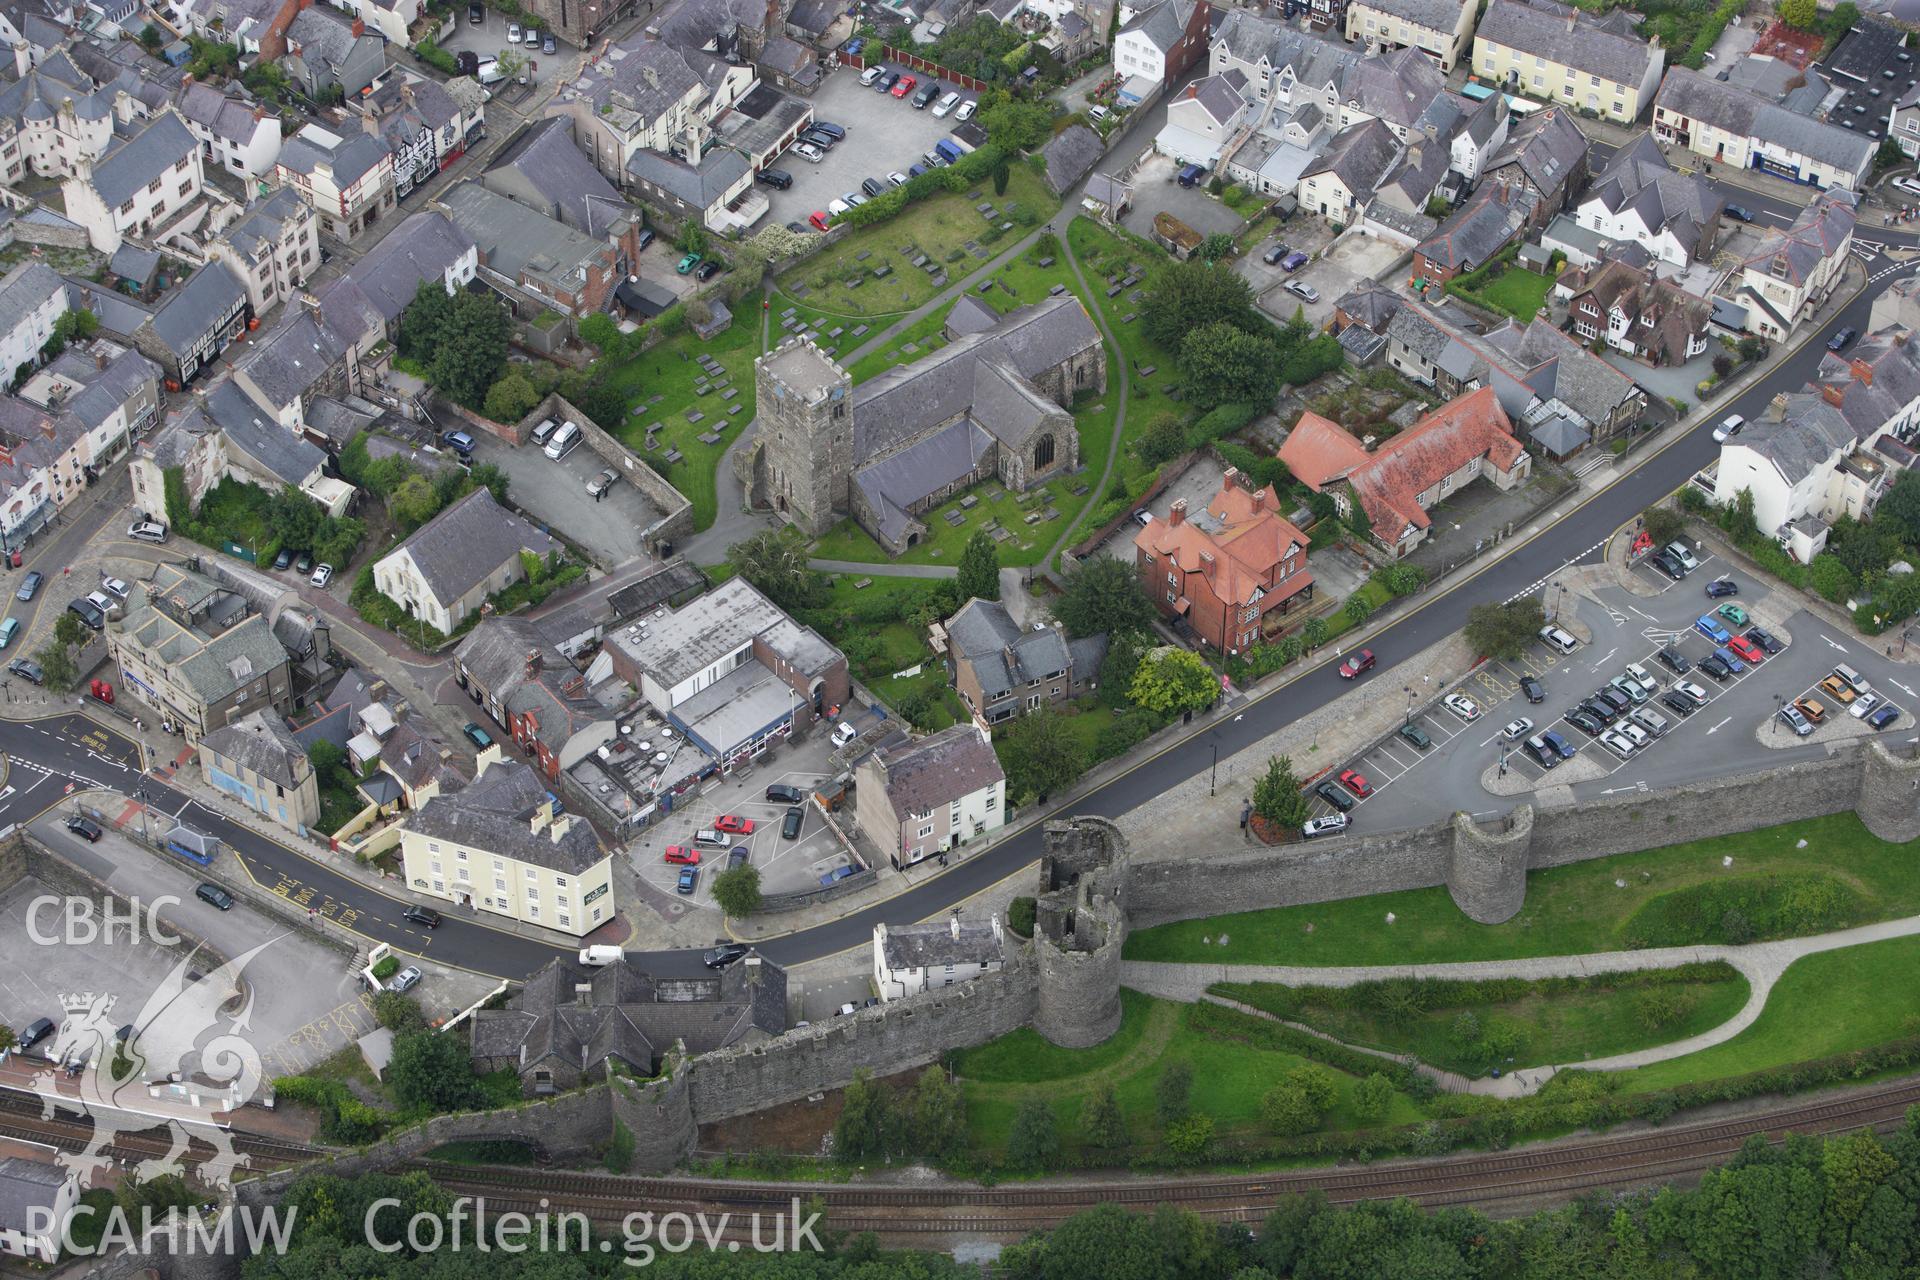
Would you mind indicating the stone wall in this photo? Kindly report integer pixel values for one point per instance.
(676, 509)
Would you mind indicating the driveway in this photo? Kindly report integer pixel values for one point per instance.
(1335, 270)
(555, 493)
(1157, 190)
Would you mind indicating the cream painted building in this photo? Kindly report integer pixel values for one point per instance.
(448, 567)
(931, 795)
(1553, 53)
(496, 845)
(1795, 270)
(1438, 28)
(1728, 125)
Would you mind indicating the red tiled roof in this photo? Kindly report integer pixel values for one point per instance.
(1250, 542)
(1388, 482)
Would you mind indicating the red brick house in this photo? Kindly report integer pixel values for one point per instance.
(1228, 570)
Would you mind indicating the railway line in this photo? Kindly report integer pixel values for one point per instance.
(1488, 1181)
(21, 1118)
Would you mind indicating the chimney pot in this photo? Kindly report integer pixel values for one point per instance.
(1177, 513)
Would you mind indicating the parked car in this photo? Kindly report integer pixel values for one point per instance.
(479, 737)
(1636, 692)
(1562, 748)
(1357, 663)
(303, 565)
(1883, 717)
(1728, 428)
(1840, 341)
(739, 857)
(27, 670)
(1665, 564)
(1679, 703)
(1838, 689)
(734, 824)
(897, 178)
(87, 613)
(1765, 639)
(322, 575)
(1415, 735)
(1533, 690)
(86, 828)
(818, 220)
(1681, 555)
(214, 896)
(903, 86)
(1331, 824)
(688, 263)
(1675, 661)
(870, 75)
(1556, 639)
(1693, 691)
(1863, 705)
(284, 559)
(1733, 613)
(147, 531)
(781, 793)
(828, 127)
(928, 92)
(477, 14)
(1812, 708)
(1517, 729)
(1273, 256)
(1294, 261)
(681, 853)
(602, 481)
(1739, 213)
(37, 1030)
(458, 441)
(1543, 755)
(779, 179)
(1720, 588)
(1461, 705)
(689, 880)
(966, 110)
(807, 151)
(1618, 742)
(513, 33)
(1716, 666)
(1586, 722)
(1617, 702)
(790, 824)
(1747, 651)
(711, 838)
(425, 917)
(116, 587)
(873, 186)
(1304, 291)
(723, 955)
(1334, 796)
(30, 585)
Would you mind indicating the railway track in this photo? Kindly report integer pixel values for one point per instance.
(1558, 1172)
(21, 1118)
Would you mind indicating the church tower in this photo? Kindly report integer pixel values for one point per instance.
(806, 429)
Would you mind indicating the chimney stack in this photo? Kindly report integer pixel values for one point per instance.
(1177, 514)
(533, 663)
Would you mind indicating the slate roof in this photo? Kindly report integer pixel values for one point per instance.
(457, 549)
(266, 223)
(896, 483)
(28, 1192)
(220, 115)
(698, 188)
(349, 162)
(191, 311)
(545, 157)
(213, 667)
(970, 315)
(1566, 36)
(494, 812)
(262, 743)
(937, 770)
(388, 275)
(1389, 480)
(27, 287)
(1399, 86)
(321, 36)
(1547, 146)
(932, 945)
(290, 458)
(1639, 180)
(1003, 655)
(141, 159)
(1660, 315)
(1480, 228)
(1218, 95)
(1697, 96)
(513, 239)
(497, 654)
(1071, 155)
(102, 391)
(1360, 156)
(1821, 230)
(1558, 368)
(291, 358)
(650, 77)
(1371, 304)
(1163, 24)
(1435, 15)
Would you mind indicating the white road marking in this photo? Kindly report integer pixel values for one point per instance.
(1717, 728)
(1643, 613)
(1834, 644)
(1896, 684)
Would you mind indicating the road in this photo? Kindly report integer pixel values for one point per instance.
(62, 747)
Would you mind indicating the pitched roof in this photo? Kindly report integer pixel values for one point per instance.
(27, 287)
(1638, 180)
(515, 664)
(29, 1190)
(1070, 155)
(514, 239)
(1480, 228)
(937, 770)
(293, 356)
(457, 549)
(1236, 544)
(698, 187)
(143, 158)
(1820, 231)
(1660, 315)
(220, 115)
(1435, 15)
(1002, 654)
(496, 812)
(546, 159)
(262, 743)
(1697, 96)
(1162, 25)
(292, 459)
(1566, 36)
(1389, 480)
(947, 942)
(422, 248)
(192, 310)
(1360, 156)
(1547, 146)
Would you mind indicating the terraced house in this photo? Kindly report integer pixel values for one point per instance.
(258, 762)
(1438, 28)
(1557, 53)
(197, 653)
(1793, 273)
(272, 250)
(348, 181)
(930, 796)
(145, 187)
(533, 693)
(1730, 126)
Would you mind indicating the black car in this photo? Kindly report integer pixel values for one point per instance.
(27, 669)
(740, 856)
(1273, 256)
(426, 917)
(1840, 340)
(1713, 666)
(1665, 564)
(37, 1030)
(1334, 796)
(873, 186)
(886, 82)
(86, 828)
(1586, 722)
(781, 793)
(213, 895)
(790, 825)
(1720, 587)
(723, 955)
(88, 613)
(832, 130)
(818, 139)
(1619, 701)
(1535, 691)
(1679, 703)
(707, 270)
(646, 238)
(1675, 661)
(1739, 213)
(1765, 639)
(779, 179)
(476, 14)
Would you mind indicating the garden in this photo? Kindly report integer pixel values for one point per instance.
(1501, 285)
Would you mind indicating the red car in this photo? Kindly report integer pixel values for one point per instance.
(1356, 783)
(904, 88)
(1747, 650)
(733, 824)
(681, 853)
(1356, 663)
(819, 220)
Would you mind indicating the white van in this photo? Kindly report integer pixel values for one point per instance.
(1650, 720)
(563, 440)
(544, 432)
(844, 734)
(489, 72)
(598, 956)
(1555, 638)
(946, 104)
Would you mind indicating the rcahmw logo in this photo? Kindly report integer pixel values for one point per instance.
(185, 1231)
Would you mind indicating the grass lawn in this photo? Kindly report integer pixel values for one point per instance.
(924, 335)
(1229, 1076)
(1518, 292)
(1829, 1003)
(939, 227)
(901, 646)
(1553, 1025)
(1568, 910)
(669, 371)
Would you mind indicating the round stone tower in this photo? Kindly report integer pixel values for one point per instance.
(658, 1113)
(1080, 927)
(1488, 874)
(1890, 792)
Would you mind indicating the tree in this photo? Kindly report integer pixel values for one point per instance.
(1830, 577)
(329, 764)
(1216, 246)
(1164, 439)
(1172, 681)
(1101, 1121)
(151, 38)
(980, 568)
(939, 1115)
(424, 320)
(1663, 524)
(1002, 175)
(692, 238)
(775, 561)
(1103, 594)
(1314, 633)
(598, 330)
(492, 479)
(472, 348)
(414, 502)
(1173, 1092)
(1034, 1141)
(1373, 1098)
(400, 1014)
(69, 631)
(1124, 651)
(512, 397)
(868, 1124)
(1039, 754)
(1013, 125)
(1189, 295)
(354, 460)
(736, 890)
(1300, 1100)
(432, 1072)
(1799, 13)
(1504, 630)
(1901, 507)
(1224, 365)
(1277, 797)
(57, 665)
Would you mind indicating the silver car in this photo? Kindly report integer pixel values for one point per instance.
(1331, 825)
(405, 980)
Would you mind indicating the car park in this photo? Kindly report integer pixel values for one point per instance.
(425, 917)
(1357, 663)
(1796, 721)
(1837, 689)
(86, 828)
(1721, 588)
(479, 737)
(1812, 708)
(1863, 705)
(1681, 555)
(1883, 717)
(1693, 691)
(1729, 428)
(1747, 650)
(1533, 690)
(1415, 735)
(688, 881)
(1334, 796)
(681, 853)
(1765, 639)
(1517, 729)
(1554, 638)
(1327, 825)
(1666, 564)
(1714, 666)
(1461, 705)
(1617, 742)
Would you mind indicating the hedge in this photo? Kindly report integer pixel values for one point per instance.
(958, 176)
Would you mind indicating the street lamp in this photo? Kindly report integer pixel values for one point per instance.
(1213, 774)
(1779, 705)
(1408, 690)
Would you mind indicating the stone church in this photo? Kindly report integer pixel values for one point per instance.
(993, 403)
